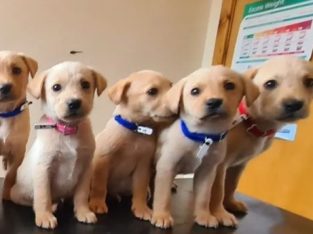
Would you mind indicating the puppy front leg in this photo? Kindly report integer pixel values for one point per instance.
(202, 187)
(99, 181)
(14, 160)
(231, 182)
(161, 216)
(42, 198)
(141, 179)
(81, 208)
(217, 196)
(203, 184)
(203, 181)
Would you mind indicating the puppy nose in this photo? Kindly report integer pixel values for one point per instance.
(5, 88)
(292, 105)
(214, 103)
(74, 104)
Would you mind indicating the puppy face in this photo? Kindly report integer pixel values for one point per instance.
(143, 94)
(211, 94)
(286, 85)
(14, 71)
(67, 90)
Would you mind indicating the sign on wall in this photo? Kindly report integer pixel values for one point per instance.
(271, 28)
(274, 27)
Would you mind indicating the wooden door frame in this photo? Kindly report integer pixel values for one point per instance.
(224, 31)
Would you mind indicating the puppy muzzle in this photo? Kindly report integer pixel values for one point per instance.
(292, 110)
(6, 92)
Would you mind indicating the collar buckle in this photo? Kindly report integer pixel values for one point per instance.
(244, 116)
(144, 130)
(58, 126)
(133, 126)
(209, 141)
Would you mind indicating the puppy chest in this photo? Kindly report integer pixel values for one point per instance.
(5, 141)
(65, 172)
(187, 164)
(192, 160)
(125, 161)
(252, 149)
(137, 148)
(4, 129)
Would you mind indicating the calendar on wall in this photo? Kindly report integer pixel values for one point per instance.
(284, 40)
(271, 28)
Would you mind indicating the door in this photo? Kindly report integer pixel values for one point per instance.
(283, 175)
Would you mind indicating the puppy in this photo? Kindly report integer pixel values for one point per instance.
(14, 114)
(58, 164)
(286, 86)
(125, 148)
(206, 101)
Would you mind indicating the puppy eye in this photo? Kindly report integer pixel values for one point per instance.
(16, 70)
(152, 91)
(85, 85)
(270, 84)
(229, 85)
(195, 91)
(308, 82)
(56, 87)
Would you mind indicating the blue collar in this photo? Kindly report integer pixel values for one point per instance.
(201, 137)
(133, 126)
(16, 111)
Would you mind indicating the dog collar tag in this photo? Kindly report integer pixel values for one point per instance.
(44, 126)
(204, 148)
(144, 130)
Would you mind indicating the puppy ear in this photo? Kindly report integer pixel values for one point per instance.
(31, 64)
(118, 90)
(35, 85)
(251, 91)
(173, 96)
(100, 82)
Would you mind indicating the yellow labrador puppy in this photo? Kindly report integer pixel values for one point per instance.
(14, 114)
(207, 101)
(125, 148)
(58, 164)
(286, 86)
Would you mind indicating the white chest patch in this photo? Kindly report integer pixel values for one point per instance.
(4, 131)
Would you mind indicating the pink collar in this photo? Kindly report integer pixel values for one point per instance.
(65, 129)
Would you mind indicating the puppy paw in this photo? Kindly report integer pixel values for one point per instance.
(142, 212)
(85, 216)
(225, 218)
(206, 219)
(46, 220)
(162, 220)
(98, 206)
(235, 206)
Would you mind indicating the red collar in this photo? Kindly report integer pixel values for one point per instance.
(252, 128)
(63, 128)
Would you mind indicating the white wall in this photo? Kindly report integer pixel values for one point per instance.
(117, 37)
